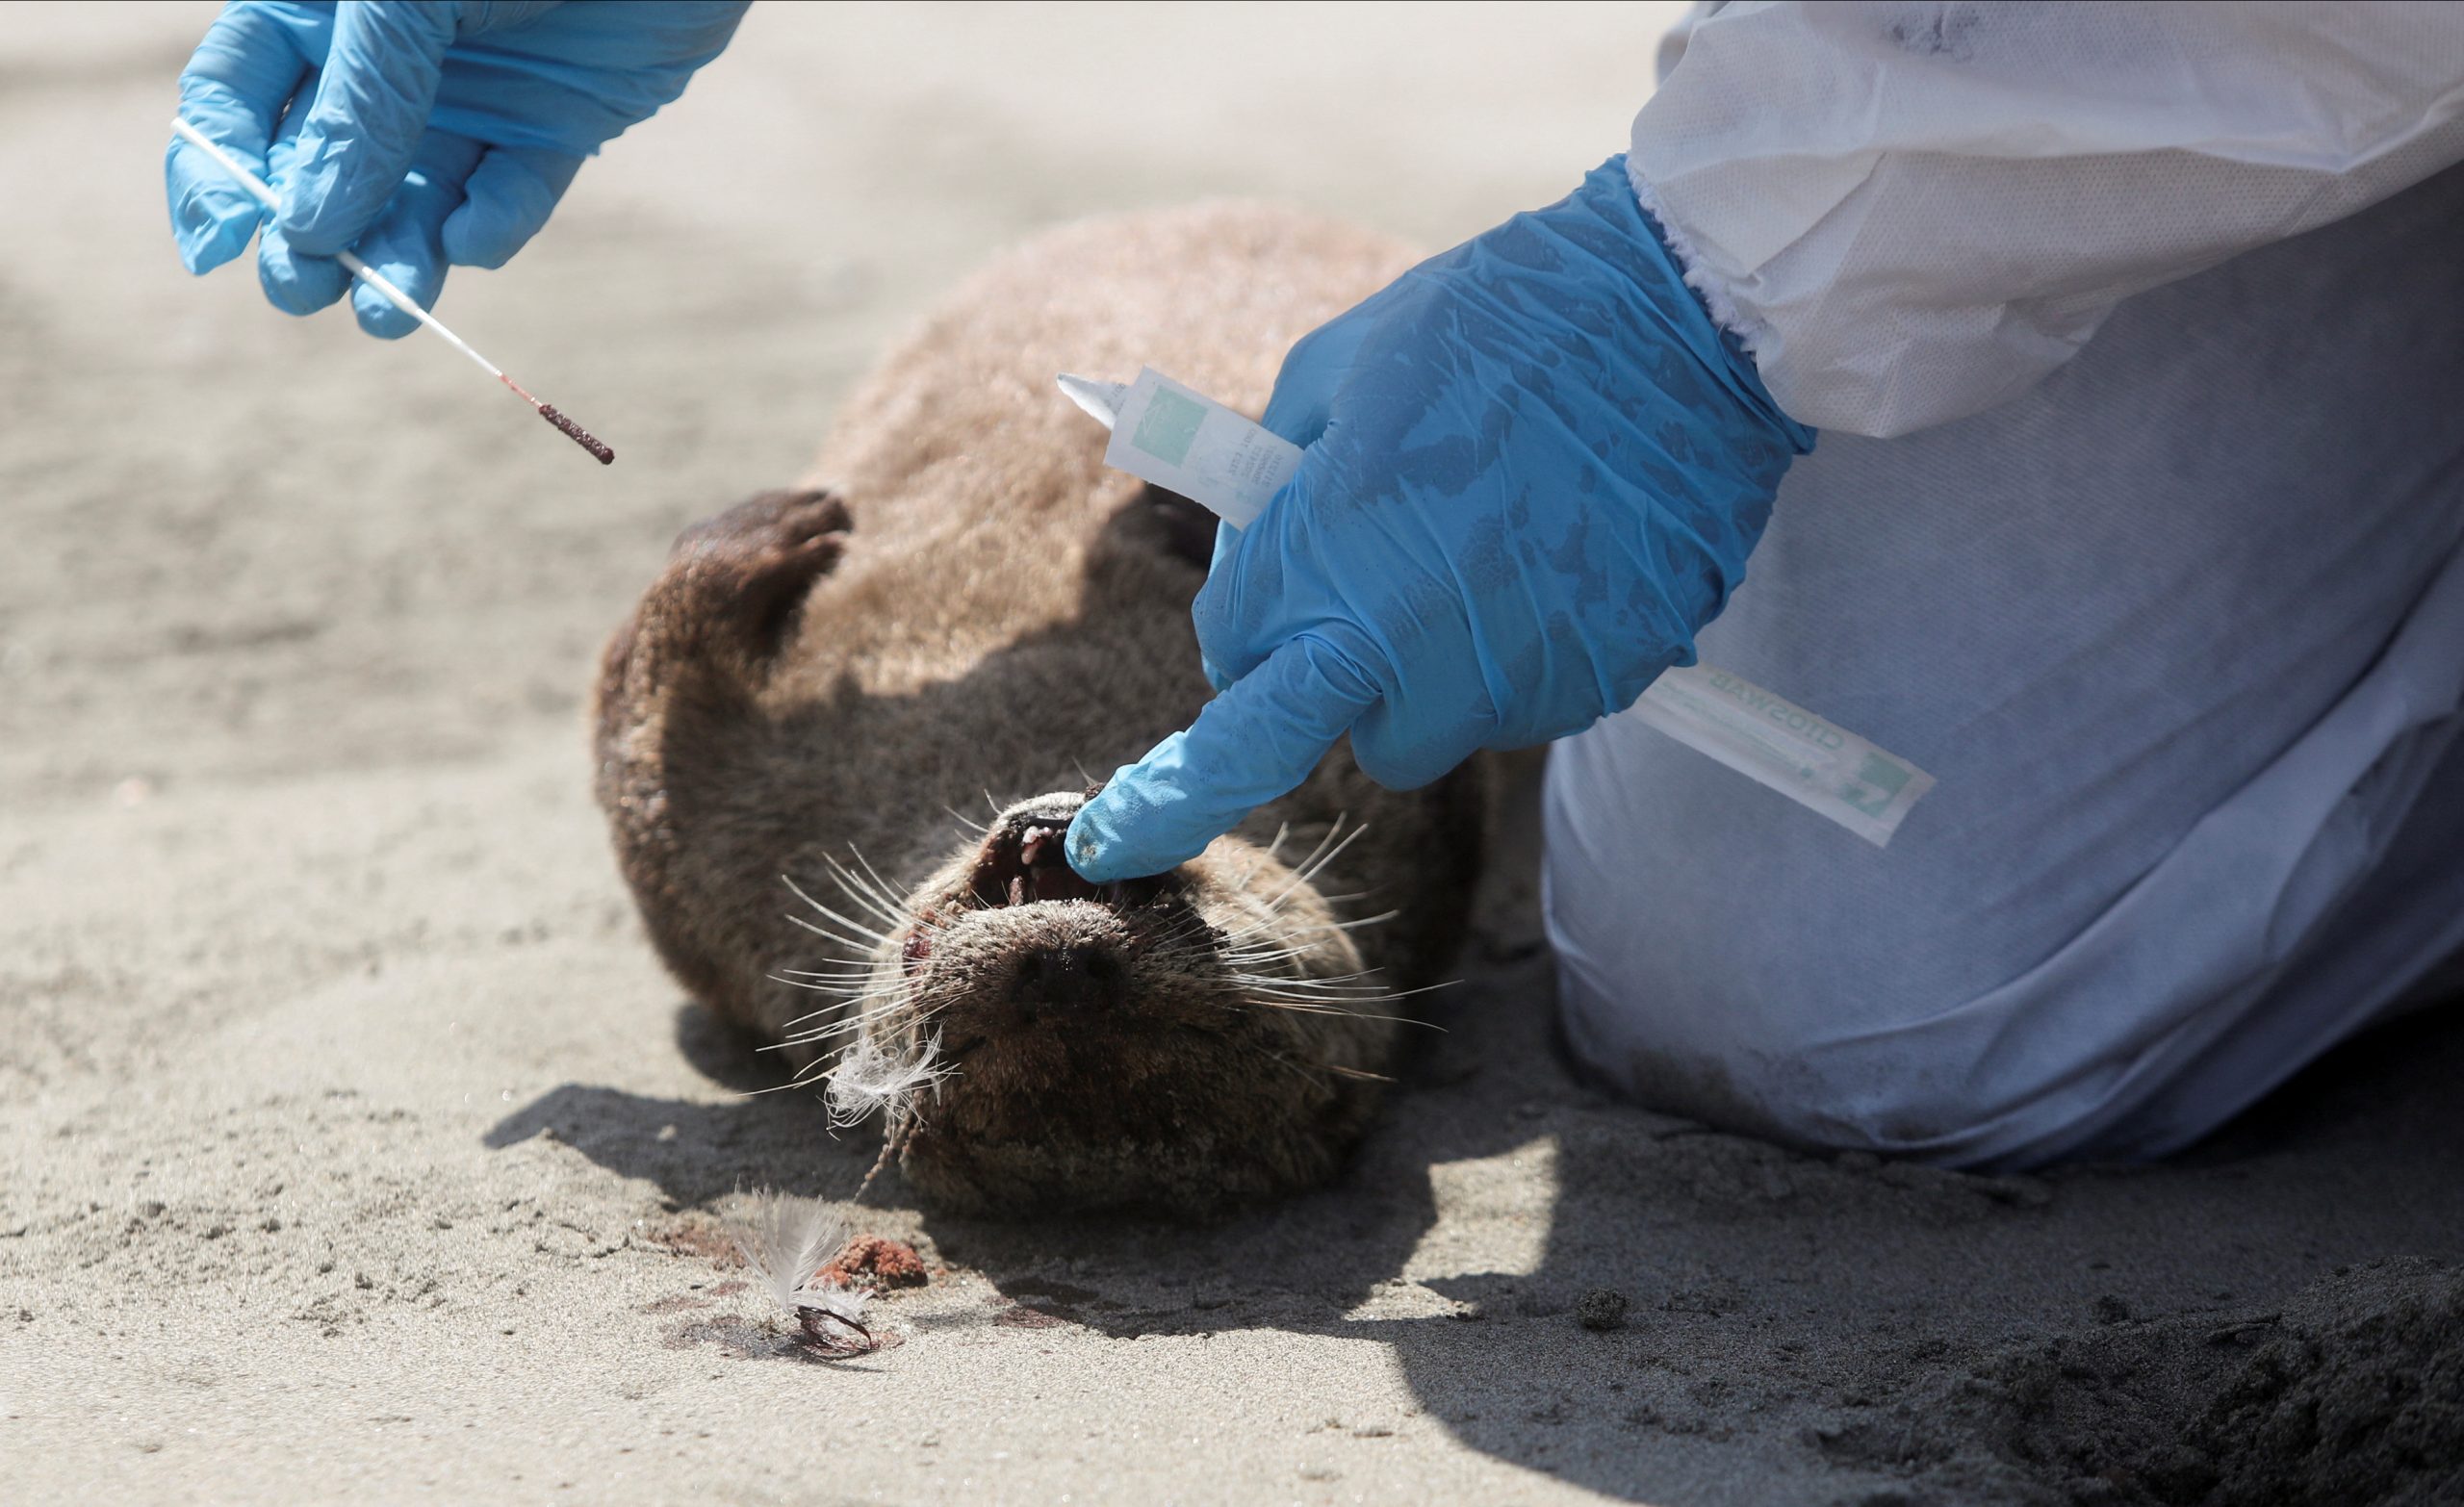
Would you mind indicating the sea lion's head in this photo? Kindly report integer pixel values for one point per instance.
(1187, 1041)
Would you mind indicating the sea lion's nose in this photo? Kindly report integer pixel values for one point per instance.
(1070, 979)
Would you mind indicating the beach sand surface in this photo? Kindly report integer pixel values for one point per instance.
(353, 1145)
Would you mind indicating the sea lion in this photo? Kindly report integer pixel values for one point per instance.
(962, 608)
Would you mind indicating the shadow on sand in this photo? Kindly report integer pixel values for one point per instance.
(1904, 1335)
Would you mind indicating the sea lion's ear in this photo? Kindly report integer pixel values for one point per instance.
(1188, 530)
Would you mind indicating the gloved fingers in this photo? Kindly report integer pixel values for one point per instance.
(493, 15)
(1404, 752)
(295, 284)
(245, 69)
(1313, 371)
(1227, 540)
(1323, 363)
(406, 245)
(211, 217)
(1241, 611)
(509, 197)
(370, 110)
(1253, 743)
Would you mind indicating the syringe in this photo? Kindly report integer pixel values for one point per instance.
(1185, 441)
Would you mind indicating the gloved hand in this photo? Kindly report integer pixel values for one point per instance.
(1535, 468)
(417, 134)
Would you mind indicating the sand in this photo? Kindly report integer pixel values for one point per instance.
(353, 1146)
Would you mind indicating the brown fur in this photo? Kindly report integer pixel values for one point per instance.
(967, 605)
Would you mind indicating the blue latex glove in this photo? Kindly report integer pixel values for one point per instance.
(417, 134)
(1535, 468)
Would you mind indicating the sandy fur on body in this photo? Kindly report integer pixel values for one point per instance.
(971, 605)
(995, 628)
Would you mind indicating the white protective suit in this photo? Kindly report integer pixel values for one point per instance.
(2135, 333)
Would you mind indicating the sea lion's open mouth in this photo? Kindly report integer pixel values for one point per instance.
(1021, 943)
(1021, 863)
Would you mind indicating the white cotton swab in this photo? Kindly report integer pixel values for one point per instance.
(393, 295)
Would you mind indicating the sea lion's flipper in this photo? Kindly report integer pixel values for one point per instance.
(678, 699)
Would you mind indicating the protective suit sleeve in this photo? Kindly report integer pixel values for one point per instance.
(1913, 211)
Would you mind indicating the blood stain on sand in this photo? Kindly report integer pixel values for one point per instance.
(873, 1261)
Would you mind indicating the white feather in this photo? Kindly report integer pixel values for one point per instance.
(847, 1303)
(785, 1240)
(868, 1078)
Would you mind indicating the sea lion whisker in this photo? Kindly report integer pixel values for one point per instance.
(1319, 858)
(797, 1081)
(879, 887)
(846, 1017)
(842, 1019)
(1288, 1007)
(832, 1010)
(813, 1038)
(1264, 964)
(850, 922)
(861, 895)
(1248, 958)
(965, 820)
(1280, 923)
(1282, 988)
(888, 892)
(1333, 829)
(1344, 983)
(1349, 979)
(842, 1001)
(850, 990)
(1286, 931)
(1273, 912)
(1309, 1001)
(1266, 952)
(848, 942)
(1295, 1008)
(889, 1002)
(1302, 986)
(1259, 861)
(865, 892)
(892, 1002)
(1265, 989)
(1272, 932)
(1379, 919)
(881, 938)
(1309, 872)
